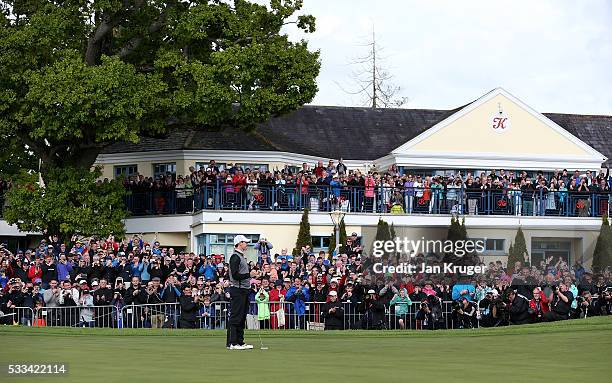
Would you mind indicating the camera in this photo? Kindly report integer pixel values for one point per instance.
(456, 306)
(554, 288)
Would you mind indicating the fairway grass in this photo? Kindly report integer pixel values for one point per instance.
(571, 351)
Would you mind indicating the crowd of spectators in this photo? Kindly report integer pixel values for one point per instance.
(331, 186)
(183, 289)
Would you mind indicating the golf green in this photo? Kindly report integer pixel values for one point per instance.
(571, 351)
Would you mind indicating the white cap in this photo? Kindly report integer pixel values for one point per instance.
(240, 238)
(333, 293)
(334, 280)
(370, 291)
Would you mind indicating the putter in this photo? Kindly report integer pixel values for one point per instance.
(261, 345)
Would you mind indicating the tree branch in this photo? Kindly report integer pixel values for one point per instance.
(135, 42)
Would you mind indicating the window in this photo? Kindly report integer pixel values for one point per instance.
(162, 169)
(320, 243)
(493, 246)
(260, 167)
(224, 244)
(126, 170)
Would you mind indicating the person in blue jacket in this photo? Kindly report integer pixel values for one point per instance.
(464, 289)
(298, 296)
(263, 248)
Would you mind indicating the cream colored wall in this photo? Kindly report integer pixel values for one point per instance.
(166, 239)
(474, 133)
(182, 166)
(144, 168)
(281, 236)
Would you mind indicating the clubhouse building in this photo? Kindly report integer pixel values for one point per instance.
(496, 131)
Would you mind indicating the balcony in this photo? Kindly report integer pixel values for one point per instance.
(380, 200)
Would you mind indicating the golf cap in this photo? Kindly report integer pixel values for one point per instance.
(333, 293)
(240, 238)
(370, 291)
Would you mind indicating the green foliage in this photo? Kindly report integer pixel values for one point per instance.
(382, 234)
(15, 161)
(518, 251)
(304, 237)
(76, 77)
(456, 230)
(463, 229)
(71, 203)
(602, 255)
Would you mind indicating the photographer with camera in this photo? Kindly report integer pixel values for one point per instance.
(263, 248)
(11, 300)
(373, 312)
(153, 301)
(68, 298)
(464, 314)
(518, 307)
(86, 314)
(424, 316)
(103, 296)
(605, 301)
(332, 313)
(560, 303)
(538, 305)
(485, 308)
(189, 309)
(170, 294)
(587, 306)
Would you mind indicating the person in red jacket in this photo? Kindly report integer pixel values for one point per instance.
(277, 294)
(35, 270)
(538, 305)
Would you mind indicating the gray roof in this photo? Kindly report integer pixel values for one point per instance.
(348, 132)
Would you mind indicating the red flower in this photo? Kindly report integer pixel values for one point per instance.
(580, 204)
(502, 203)
(421, 201)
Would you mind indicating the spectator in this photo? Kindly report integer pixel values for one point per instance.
(332, 313)
(297, 295)
(263, 248)
(538, 305)
(372, 312)
(519, 306)
(561, 303)
(402, 304)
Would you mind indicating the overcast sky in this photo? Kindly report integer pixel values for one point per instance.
(555, 55)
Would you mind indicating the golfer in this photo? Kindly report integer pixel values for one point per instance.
(239, 294)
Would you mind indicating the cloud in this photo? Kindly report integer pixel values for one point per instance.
(553, 54)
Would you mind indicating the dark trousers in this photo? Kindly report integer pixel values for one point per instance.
(239, 305)
(552, 316)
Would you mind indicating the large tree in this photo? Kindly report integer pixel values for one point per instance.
(602, 255)
(79, 75)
